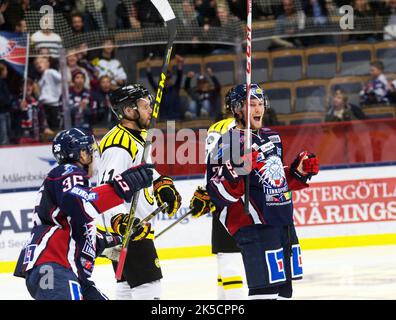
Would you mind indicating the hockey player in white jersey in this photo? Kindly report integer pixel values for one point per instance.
(122, 147)
(229, 259)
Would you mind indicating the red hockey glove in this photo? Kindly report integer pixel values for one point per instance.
(305, 166)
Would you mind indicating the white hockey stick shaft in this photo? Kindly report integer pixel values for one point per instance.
(248, 132)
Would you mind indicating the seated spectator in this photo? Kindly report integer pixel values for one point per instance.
(5, 106)
(188, 15)
(376, 89)
(80, 101)
(392, 91)
(50, 91)
(290, 23)
(21, 26)
(29, 117)
(317, 10)
(47, 39)
(77, 24)
(106, 64)
(340, 110)
(92, 11)
(390, 23)
(170, 108)
(207, 12)
(101, 107)
(72, 65)
(203, 98)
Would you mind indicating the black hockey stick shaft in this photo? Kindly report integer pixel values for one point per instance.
(168, 15)
(174, 223)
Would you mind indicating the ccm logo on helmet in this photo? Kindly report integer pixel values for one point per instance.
(158, 97)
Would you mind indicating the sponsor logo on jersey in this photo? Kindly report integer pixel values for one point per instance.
(267, 147)
(275, 139)
(279, 151)
(296, 262)
(278, 199)
(90, 242)
(29, 253)
(88, 249)
(87, 264)
(275, 265)
(83, 194)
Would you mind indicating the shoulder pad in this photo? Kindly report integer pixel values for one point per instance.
(221, 126)
(121, 138)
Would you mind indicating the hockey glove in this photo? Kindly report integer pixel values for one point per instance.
(119, 224)
(165, 192)
(305, 166)
(132, 180)
(200, 203)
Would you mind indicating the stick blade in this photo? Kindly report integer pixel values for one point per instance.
(121, 262)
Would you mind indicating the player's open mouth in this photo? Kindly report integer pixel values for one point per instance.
(257, 118)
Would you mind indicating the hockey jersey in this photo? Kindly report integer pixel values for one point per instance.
(270, 199)
(122, 148)
(64, 231)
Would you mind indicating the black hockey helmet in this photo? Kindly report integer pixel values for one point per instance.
(127, 96)
(67, 145)
(237, 96)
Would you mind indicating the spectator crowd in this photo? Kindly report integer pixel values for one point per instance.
(32, 109)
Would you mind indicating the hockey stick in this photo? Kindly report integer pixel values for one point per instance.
(169, 17)
(174, 223)
(248, 86)
(152, 215)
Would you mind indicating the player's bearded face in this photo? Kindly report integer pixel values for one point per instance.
(145, 110)
(256, 113)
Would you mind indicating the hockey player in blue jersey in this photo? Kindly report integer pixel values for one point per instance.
(266, 233)
(59, 257)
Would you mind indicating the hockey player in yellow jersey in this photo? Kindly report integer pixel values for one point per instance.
(122, 147)
(229, 259)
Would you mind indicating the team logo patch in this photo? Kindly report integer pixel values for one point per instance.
(296, 262)
(275, 265)
(68, 169)
(271, 173)
(157, 263)
(210, 140)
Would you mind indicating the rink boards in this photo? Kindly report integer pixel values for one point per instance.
(344, 207)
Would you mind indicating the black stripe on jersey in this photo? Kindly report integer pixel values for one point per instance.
(222, 127)
(228, 283)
